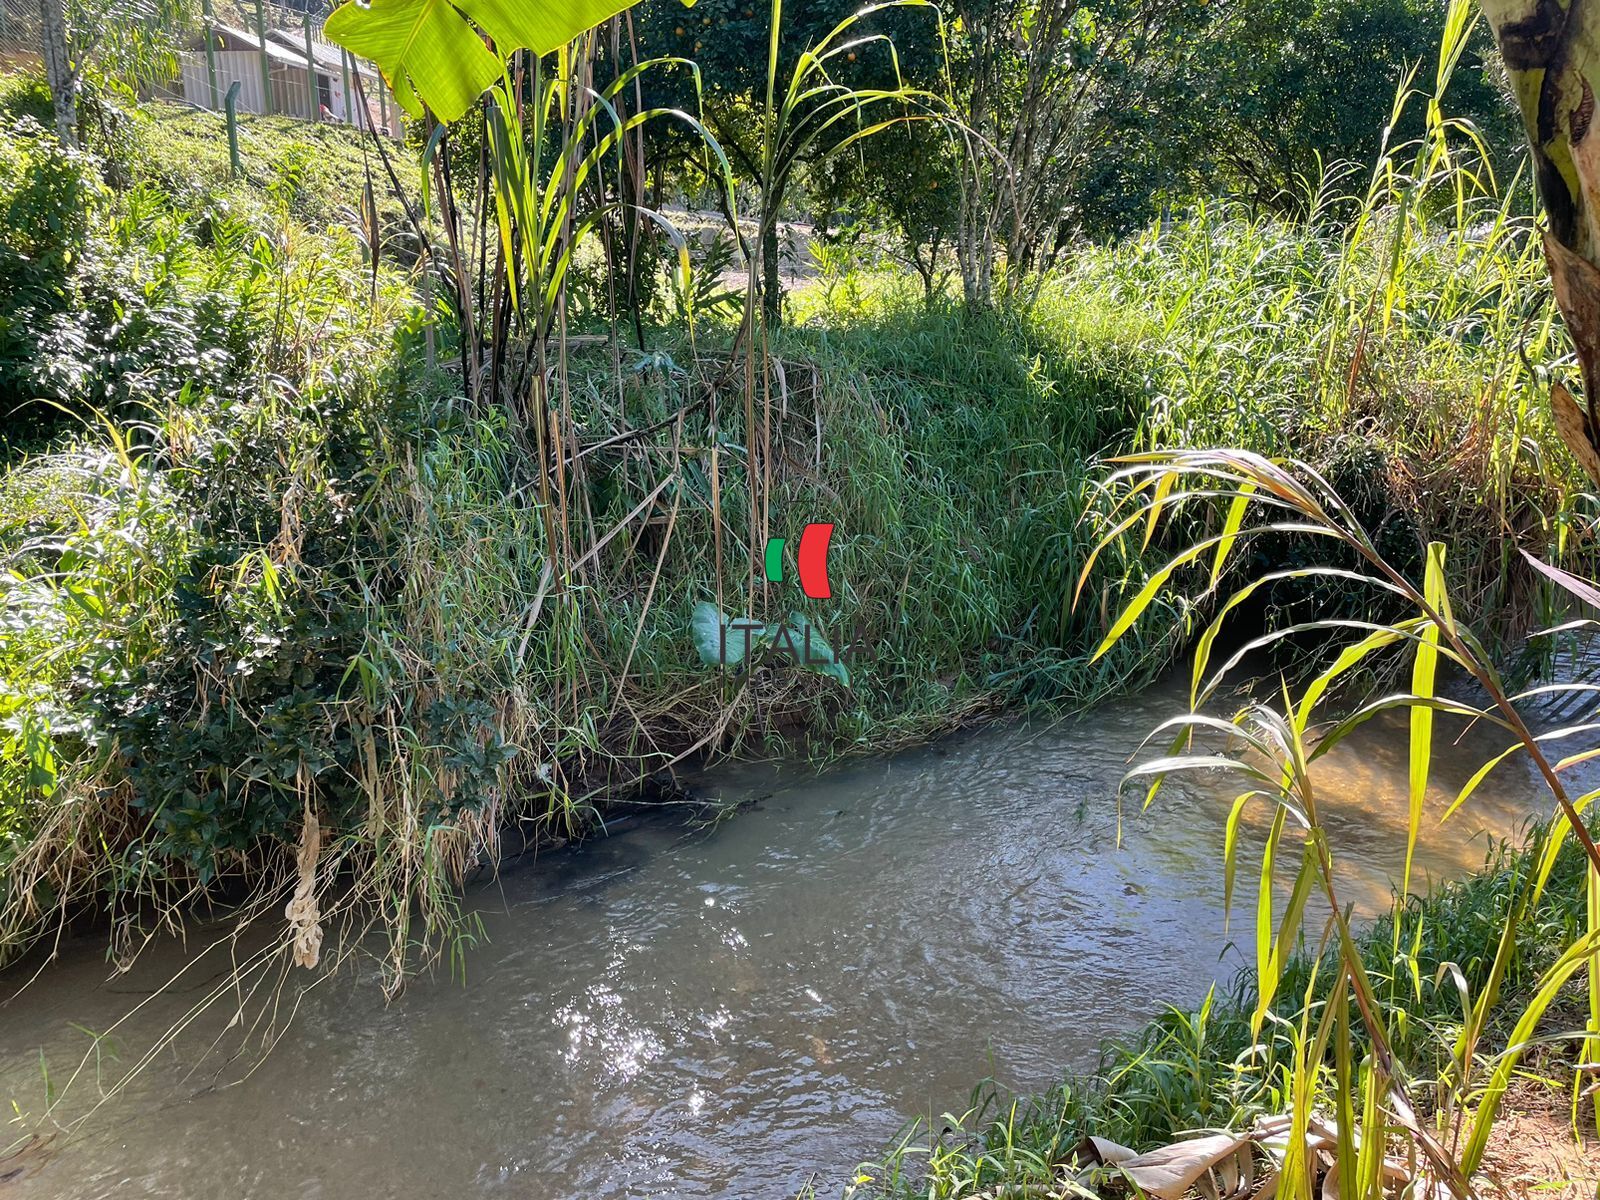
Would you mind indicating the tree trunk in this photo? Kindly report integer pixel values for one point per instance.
(1552, 54)
(58, 68)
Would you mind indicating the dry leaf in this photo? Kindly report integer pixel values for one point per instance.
(1104, 1151)
(1171, 1171)
(1573, 426)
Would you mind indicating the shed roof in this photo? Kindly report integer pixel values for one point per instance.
(282, 48)
(327, 58)
(233, 38)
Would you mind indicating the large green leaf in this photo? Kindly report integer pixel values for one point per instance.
(722, 641)
(432, 52)
(808, 646)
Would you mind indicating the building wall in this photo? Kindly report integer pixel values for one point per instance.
(243, 66)
(289, 93)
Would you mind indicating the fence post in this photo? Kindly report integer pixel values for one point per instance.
(266, 66)
(211, 57)
(311, 76)
(349, 107)
(383, 103)
(232, 106)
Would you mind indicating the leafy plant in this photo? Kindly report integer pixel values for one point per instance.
(726, 641)
(700, 289)
(432, 51)
(1347, 1053)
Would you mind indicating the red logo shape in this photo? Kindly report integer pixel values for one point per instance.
(813, 559)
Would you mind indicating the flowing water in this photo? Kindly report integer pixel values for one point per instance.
(728, 1011)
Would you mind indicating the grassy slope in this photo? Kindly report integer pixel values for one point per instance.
(328, 166)
(184, 151)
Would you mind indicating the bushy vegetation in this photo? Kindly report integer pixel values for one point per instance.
(179, 597)
(269, 563)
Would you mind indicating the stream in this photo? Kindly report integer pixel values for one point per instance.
(726, 1011)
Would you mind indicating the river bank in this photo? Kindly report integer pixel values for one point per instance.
(1199, 1067)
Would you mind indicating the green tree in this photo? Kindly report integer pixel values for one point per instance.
(126, 42)
(888, 46)
(1276, 95)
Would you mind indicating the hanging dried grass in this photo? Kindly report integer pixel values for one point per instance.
(302, 912)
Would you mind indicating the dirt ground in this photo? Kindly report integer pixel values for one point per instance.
(1533, 1153)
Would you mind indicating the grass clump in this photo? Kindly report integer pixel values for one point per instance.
(1392, 352)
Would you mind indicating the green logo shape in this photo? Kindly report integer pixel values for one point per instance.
(774, 559)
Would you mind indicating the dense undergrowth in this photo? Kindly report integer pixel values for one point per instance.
(275, 575)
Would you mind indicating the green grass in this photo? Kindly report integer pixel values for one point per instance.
(323, 168)
(1393, 356)
(342, 599)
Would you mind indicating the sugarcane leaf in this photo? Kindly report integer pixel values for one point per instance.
(1230, 530)
(1424, 671)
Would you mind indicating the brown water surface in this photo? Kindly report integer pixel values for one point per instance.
(727, 1012)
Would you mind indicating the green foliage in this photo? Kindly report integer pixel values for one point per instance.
(701, 292)
(433, 53)
(320, 171)
(908, 180)
(725, 641)
(48, 199)
(1365, 347)
(791, 90)
(48, 196)
(25, 94)
(730, 39)
(179, 605)
(1168, 102)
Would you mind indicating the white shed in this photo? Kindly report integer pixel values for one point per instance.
(236, 57)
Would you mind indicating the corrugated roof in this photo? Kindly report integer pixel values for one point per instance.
(249, 41)
(325, 55)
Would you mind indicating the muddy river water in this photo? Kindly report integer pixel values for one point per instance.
(728, 1011)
